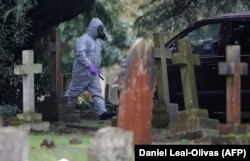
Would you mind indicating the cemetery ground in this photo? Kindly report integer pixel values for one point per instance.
(62, 133)
(62, 136)
(70, 141)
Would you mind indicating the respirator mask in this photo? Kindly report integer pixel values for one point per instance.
(100, 33)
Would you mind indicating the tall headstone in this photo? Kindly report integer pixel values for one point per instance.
(32, 119)
(136, 98)
(233, 69)
(164, 111)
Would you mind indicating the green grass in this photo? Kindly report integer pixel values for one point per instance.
(97, 123)
(61, 134)
(72, 152)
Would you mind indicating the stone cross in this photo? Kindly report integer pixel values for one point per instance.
(187, 60)
(56, 47)
(233, 69)
(28, 69)
(161, 53)
(136, 98)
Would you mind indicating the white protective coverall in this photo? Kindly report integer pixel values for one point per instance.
(87, 52)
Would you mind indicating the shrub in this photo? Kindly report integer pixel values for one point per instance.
(7, 111)
(86, 107)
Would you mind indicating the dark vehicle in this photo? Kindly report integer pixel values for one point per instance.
(208, 38)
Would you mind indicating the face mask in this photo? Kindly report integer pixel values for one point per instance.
(101, 34)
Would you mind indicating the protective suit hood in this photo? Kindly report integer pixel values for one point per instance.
(93, 25)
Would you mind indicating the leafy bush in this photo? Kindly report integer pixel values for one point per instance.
(7, 111)
(14, 33)
(86, 107)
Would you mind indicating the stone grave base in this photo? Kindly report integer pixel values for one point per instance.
(191, 124)
(160, 117)
(194, 124)
(56, 109)
(226, 129)
(34, 117)
(193, 129)
(114, 121)
(35, 126)
(203, 132)
(225, 140)
(192, 135)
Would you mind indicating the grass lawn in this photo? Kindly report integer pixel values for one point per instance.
(61, 134)
(72, 152)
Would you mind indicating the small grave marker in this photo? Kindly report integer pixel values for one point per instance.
(14, 144)
(118, 145)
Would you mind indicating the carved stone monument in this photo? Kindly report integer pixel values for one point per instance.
(233, 69)
(54, 107)
(136, 98)
(193, 122)
(27, 70)
(164, 111)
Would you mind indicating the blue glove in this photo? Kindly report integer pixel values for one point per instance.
(92, 70)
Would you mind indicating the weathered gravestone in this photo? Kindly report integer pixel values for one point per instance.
(54, 107)
(192, 122)
(111, 144)
(136, 98)
(164, 111)
(14, 144)
(27, 70)
(56, 47)
(233, 69)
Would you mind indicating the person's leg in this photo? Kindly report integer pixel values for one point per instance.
(77, 86)
(95, 90)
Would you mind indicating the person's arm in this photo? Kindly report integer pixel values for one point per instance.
(81, 47)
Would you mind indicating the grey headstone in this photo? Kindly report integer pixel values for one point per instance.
(14, 144)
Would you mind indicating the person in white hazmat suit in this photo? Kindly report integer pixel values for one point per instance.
(86, 68)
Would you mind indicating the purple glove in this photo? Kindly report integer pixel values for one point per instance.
(92, 70)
